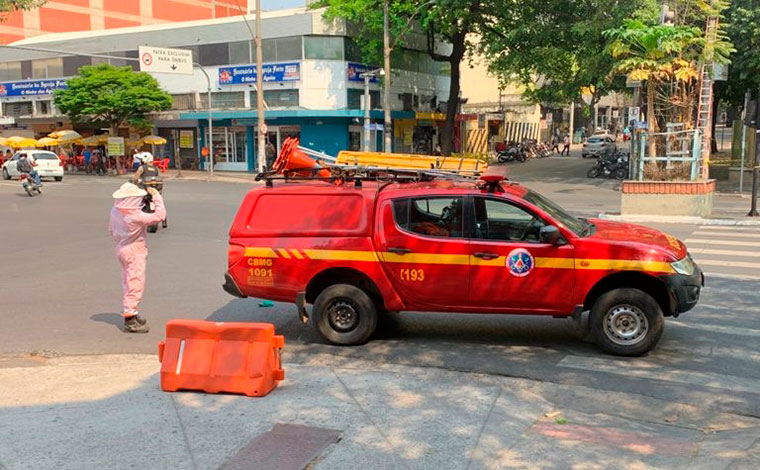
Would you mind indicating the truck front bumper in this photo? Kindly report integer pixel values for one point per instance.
(685, 290)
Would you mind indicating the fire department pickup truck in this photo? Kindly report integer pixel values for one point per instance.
(362, 248)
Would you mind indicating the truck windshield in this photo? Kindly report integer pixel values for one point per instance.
(578, 226)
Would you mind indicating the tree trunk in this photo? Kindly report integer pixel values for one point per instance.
(455, 59)
(590, 123)
(651, 120)
(715, 103)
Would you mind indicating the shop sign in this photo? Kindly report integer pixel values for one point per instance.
(355, 72)
(244, 122)
(425, 123)
(31, 88)
(185, 139)
(285, 72)
(115, 146)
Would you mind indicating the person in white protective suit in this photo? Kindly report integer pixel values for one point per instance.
(127, 226)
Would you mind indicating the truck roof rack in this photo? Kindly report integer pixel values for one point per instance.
(341, 174)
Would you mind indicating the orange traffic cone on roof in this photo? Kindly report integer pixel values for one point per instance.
(291, 158)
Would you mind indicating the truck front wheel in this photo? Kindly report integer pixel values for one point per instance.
(345, 315)
(626, 322)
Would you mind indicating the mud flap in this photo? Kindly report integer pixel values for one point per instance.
(301, 306)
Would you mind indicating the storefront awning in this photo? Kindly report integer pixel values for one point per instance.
(294, 113)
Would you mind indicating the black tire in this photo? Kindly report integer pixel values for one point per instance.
(29, 191)
(59, 178)
(583, 155)
(637, 328)
(593, 172)
(153, 228)
(6, 175)
(621, 173)
(345, 315)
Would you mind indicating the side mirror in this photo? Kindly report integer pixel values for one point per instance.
(550, 234)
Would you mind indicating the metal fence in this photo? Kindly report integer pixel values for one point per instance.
(674, 155)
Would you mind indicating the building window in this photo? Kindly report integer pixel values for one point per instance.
(354, 98)
(18, 109)
(278, 98)
(234, 99)
(44, 108)
(47, 68)
(323, 47)
(281, 49)
(71, 65)
(10, 71)
(183, 101)
(240, 52)
(214, 54)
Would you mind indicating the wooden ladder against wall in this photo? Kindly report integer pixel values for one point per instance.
(704, 108)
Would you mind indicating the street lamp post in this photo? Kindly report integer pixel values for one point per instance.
(387, 82)
(365, 133)
(209, 143)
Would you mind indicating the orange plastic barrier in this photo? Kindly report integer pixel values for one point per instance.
(290, 158)
(220, 357)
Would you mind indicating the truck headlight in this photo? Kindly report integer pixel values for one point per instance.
(684, 266)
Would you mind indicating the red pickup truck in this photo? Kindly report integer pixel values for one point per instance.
(356, 250)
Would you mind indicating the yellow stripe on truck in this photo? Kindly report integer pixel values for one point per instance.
(260, 252)
(459, 259)
(341, 255)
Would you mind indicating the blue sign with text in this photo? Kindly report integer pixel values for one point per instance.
(355, 72)
(31, 87)
(239, 74)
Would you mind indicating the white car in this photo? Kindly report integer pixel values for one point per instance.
(597, 145)
(48, 164)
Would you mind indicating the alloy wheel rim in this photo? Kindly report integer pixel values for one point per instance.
(343, 315)
(625, 325)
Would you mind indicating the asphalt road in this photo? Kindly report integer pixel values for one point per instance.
(60, 294)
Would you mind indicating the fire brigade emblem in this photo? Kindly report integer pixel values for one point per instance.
(520, 262)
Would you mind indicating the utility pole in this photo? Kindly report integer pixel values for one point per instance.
(261, 153)
(365, 134)
(745, 114)
(753, 207)
(387, 127)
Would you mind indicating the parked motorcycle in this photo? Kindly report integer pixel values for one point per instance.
(610, 165)
(31, 188)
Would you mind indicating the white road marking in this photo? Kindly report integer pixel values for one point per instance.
(724, 263)
(707, 251)
(640, 368)
(754, 235)
(738, 277)
(725, 227)
(731, 330)
(722, 242)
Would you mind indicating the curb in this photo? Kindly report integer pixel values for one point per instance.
(672, 219)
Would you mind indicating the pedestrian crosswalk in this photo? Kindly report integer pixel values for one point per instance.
(730, 251)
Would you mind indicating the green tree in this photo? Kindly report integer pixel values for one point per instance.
(113, 96)
(449, 21)
(743, 30)
(7, 6)
(555, 49)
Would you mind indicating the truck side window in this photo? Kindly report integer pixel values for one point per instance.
(434, 216)
(500, 220)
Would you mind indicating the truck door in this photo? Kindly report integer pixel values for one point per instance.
(422, 247)
(510, 269)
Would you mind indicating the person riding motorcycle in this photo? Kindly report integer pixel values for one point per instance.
(26, 164)
(147, 176)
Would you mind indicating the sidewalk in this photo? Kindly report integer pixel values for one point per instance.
(94, 412)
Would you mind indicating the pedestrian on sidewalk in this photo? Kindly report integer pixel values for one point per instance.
(566, 143)
(86, 159)
(555, 143)
(127, 226)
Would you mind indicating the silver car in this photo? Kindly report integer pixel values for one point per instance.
(597, 145)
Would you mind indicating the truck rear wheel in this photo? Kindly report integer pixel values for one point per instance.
(626, 322)
(344, 314)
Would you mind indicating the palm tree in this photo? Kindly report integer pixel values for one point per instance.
(657, 55)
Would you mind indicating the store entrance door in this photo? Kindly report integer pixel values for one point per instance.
(230, 149)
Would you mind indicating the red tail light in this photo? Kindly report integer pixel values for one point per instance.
(234, 254)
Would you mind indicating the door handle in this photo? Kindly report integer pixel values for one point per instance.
(399, 251)
(483, 255)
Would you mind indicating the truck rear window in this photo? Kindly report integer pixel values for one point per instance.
(307, 213)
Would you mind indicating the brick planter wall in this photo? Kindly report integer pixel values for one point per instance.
(677, 198)
(668, 187)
